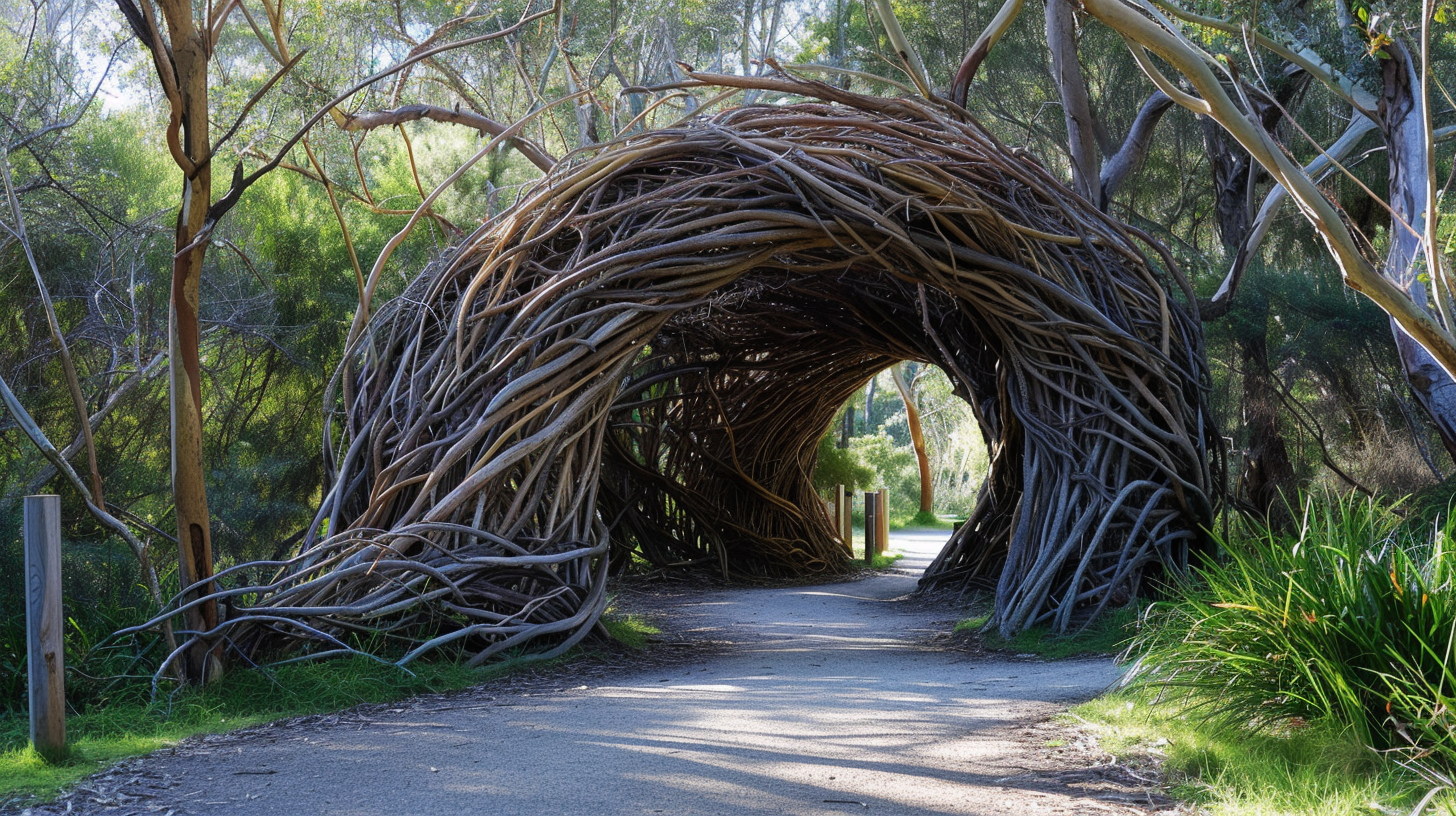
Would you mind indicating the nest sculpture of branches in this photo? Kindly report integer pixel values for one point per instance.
(641, 356)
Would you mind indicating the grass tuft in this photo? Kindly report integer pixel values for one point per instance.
(632, 631)
(1107, 635)
(1351, 621)
(885, 560)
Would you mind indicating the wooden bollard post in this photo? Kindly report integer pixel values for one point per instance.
(872, 525)
(882, 542)
(846, 521)
(46, 652)
(845, 533)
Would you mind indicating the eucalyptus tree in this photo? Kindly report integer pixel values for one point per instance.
(188, 52)
(1400, 108)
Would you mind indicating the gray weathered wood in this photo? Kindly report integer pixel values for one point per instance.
(846, 521)
(45, 625)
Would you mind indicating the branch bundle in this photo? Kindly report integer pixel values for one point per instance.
(641, 356)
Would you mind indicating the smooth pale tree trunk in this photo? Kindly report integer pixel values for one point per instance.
(1129, 158)
(1092, 178)
(1402, 123)
(1061, 32)
(194, 538)
(917, 438)
(869, 407)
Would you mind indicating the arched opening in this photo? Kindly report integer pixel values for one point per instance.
(712, 445)
(647, 348)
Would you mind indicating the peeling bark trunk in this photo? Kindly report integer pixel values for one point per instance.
(189, 486)
(1401, 122)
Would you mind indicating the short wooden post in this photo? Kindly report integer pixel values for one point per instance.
(846, 521)
(872, 525)
(883, 541)
(46, 653)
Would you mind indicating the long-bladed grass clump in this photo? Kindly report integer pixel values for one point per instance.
(1351, 620)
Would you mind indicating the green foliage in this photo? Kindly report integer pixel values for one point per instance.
(894, 468)
(99, 596)
(1352, 621)
(881, 455)
(927, 518)
(1311, 769)
(840, 466)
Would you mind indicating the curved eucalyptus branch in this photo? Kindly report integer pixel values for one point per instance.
(960, 87)
(1357, 270)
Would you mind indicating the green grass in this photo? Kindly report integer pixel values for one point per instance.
(1304, 673)
(107, 733)
(881, 561)
(632, 631)
(884, 560)
(920, 521)
(1108, 634)
(1352, 620)
(1300, 769)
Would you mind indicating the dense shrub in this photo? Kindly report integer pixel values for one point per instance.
(1351, 620)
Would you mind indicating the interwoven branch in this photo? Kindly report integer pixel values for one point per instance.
(641, 356)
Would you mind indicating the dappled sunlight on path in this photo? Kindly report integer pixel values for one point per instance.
(827, 702)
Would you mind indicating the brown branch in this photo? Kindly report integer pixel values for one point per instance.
(369, 120)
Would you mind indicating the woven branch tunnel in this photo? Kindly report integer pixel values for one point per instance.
(640, 357)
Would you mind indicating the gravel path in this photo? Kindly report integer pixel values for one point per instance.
(822, 700)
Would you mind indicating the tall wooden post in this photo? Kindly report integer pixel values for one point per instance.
(882, 540)
(46, 653)
(846, 521)
(872, 525)
(845, 534)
